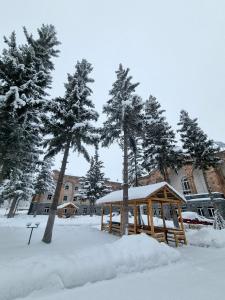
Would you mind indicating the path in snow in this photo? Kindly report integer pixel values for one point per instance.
(199, 275)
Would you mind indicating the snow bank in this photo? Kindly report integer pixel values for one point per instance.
(207, 237)
(21, 220)
(128, 254)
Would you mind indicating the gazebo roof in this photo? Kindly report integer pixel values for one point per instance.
(140, 192)
(66, 204)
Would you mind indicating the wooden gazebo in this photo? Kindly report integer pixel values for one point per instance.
(161, 194)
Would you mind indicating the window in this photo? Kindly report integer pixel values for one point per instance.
(76, 188)
(84, 210)
(49, 197)
(200, 211)
(66, 187)
(185, 186)
(75, 198)
(65, 198)
(46, 210)
(65, 210)
(211, 212)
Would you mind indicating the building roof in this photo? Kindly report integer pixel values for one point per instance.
(140, 192)
(66, 204)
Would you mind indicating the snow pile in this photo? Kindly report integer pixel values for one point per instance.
(207, 237)
(128, 254)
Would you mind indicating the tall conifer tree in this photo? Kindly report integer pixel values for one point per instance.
(160, 151)
(197, 145)
(44, 182)
(25, 75)
(70, 126)
(123, 112)
(95, 181)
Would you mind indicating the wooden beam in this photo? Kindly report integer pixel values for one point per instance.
(148, 215)
(121, 210)
(164, 222)
(151, 216)
(110, 219)
(135, 218)
(181, 222)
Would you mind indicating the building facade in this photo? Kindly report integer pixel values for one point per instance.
(191, 183)
(73, 191)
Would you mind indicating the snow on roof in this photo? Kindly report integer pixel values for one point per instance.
(65, 205)
(139, 192)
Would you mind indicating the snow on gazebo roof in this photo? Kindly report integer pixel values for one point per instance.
(66, 204)
(139, 192)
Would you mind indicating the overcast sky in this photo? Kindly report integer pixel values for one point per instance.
(175, 49)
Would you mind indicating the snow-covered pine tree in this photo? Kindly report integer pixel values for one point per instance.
(135, 161)
(160, 151)
(95, 181)
(24, 78)
(197, 145)
(219, 222)
(70, 126)
(123, 112)
(44, 181)
(19, 186)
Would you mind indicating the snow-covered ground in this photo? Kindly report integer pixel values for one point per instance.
(85, 263)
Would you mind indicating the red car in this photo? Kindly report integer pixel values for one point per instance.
(190, 217)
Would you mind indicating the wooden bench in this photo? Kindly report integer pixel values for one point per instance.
(177, 236)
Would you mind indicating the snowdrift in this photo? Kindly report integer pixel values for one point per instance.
(207, 237)
(129, 254)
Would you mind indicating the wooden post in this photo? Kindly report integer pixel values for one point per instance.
(102, 218)
(181, 222)
(121, 212)
(135, 218)
(110, 218)
(164, 222)
(151, 216)
(148, 217)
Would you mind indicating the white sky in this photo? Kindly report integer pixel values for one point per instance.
(175, 49)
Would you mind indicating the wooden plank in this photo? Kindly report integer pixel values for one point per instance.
(102, 218)
(135, 218)
(181, 223)
(151, 216)
(110, 218)
(164, 221)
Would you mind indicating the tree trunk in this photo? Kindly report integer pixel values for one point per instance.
(12, 209)
(53, 209)
(91, 208)
(208, 188)
(124, 219)
(36, 209)
(172, 208)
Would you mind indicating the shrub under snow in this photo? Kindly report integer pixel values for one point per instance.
(125, 255)
(207, 237)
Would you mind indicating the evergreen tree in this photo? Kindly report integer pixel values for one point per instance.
(69, 125)
(24, 78)
(44, 181)
(135, 161)
(95, 181)
(123, 112)
(160, 151)
(197, 145)
(219, 222)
